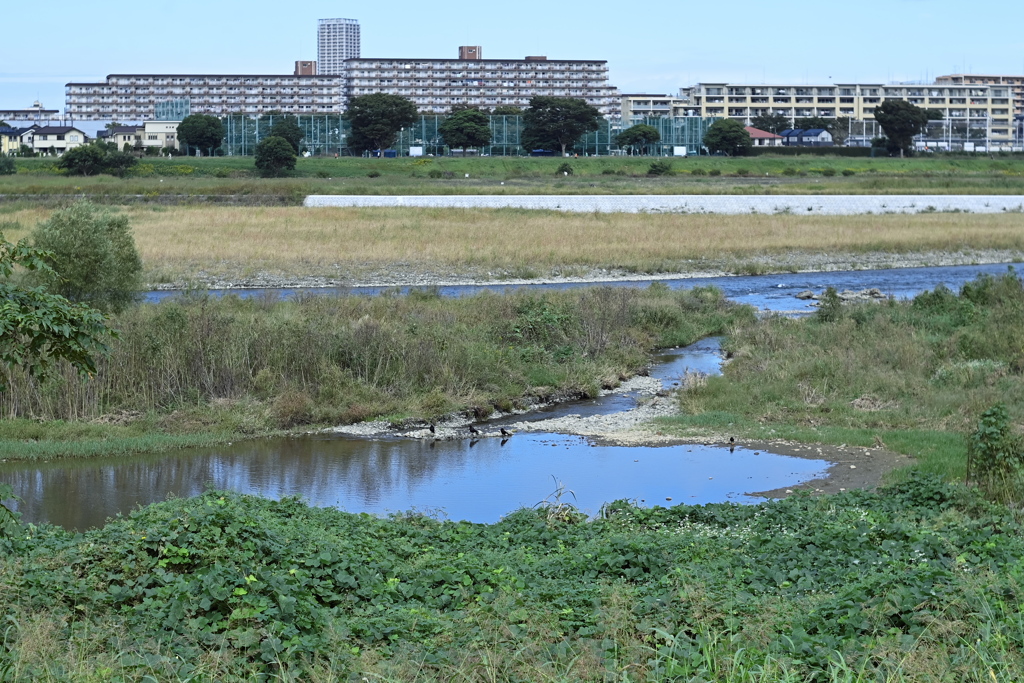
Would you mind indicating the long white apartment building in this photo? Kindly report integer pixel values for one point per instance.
(336, 41)
(133, 97)
(988, 107)
(436, 85)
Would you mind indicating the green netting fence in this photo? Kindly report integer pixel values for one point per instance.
(326, 135)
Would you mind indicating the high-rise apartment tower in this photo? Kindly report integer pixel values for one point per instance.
(336, 41)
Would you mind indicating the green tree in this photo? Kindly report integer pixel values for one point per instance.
(201, 131)
(287, 127)
(38, 328)
(465, 129)
(901, 121)
(92, 257)
(376, 120)
(638, 137)
(274, 155)
(83, 160)
(7, 165)
(97, 157)
(557, 122)
(727, 136)
(773, 123)
(507, 110)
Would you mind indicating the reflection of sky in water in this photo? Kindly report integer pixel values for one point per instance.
(479, 482)
(476, 480)
(767, 292)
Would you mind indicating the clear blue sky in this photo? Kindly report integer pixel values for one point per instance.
(650, 46)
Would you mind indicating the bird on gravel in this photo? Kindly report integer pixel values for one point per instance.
(473, 430)
(432, 430)
(505, 433)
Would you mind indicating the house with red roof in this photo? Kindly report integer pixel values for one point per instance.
(762, 138)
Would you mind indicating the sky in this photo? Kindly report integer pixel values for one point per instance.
(655, 47)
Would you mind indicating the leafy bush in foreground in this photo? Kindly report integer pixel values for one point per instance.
(919, 578)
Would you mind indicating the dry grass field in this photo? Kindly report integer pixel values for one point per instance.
(179, 243)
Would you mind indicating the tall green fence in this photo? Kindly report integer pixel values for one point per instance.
(327, 135)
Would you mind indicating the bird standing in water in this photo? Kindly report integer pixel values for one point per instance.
(505, 433)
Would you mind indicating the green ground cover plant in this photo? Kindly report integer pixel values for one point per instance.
(915, 375)
(199, 364)
(921, 581)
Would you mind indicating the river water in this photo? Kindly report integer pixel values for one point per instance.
(765, 292)
(479, 479)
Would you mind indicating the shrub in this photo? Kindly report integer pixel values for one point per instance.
(742, 171)
(93, 159)
(828, 172)
(607, 171)
(274, 156)
(565, 168)
(698, 171)
(373, 174)
(93, 254)
(995, 457)
(715, 171)
(7, 166)
(830, 308)
(848, 172)
(789, 170)
(660, 167)
(435, 173)
(323, 174)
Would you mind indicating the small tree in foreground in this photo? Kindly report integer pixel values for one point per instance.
(727, 136)
(995, 455)
(274, 155)
(92, 257)
(38, 328)
(7, 165)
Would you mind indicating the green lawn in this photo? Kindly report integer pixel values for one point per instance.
(518, 175)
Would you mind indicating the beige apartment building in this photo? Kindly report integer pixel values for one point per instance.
(1015, 83)
(982, 107)
(640, 105)
(133, 97)
(436, 85)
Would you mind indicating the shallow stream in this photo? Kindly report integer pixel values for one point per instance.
(462, 478)
(479, 479)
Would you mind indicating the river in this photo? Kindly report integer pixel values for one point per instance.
(475, 479)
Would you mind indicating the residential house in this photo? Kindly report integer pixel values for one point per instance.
(10, 139)
(813, 137)
(55, 139)
(121, 136)
(762, 138)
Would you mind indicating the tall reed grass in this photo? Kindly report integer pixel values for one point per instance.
(324, 359)
(917, 375)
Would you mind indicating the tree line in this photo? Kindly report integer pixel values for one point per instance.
(550, 124)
